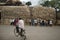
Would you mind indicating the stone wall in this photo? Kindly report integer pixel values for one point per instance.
(11, 12)
(44, 13)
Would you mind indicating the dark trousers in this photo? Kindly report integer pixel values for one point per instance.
(17, 29)
(21, 32)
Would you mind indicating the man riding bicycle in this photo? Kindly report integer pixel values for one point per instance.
(20, 25)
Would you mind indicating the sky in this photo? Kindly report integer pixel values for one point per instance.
(34, 2)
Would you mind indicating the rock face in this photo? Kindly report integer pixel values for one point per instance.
(44, 13)
(11, 12)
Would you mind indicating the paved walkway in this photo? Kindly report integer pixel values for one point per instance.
(33, 33)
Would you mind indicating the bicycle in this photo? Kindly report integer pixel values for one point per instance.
(22, 35)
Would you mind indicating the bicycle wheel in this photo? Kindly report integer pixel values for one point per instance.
(15, 32)
(24, 37)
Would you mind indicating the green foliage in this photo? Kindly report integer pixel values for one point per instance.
(28, 3)
(53, 3)
(2, 1)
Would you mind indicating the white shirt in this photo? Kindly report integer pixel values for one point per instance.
(11, 20)
(21, 24)
(51, 22)
(35, 21)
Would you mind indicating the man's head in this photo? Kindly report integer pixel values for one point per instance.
(20, 18)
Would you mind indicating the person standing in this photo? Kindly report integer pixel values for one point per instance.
(32, 22)
(51, 22)
(35, 22)
(12, 21)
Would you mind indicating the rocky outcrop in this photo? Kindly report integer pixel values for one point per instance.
(11, 12)
(43, 12)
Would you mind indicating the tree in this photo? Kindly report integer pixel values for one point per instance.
(46, 3)
(52, 3)
(28, 3)
(3, 0)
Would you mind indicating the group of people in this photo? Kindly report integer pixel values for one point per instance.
(40, 22)
(46, 22)
(19, 23)
(35, 22)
